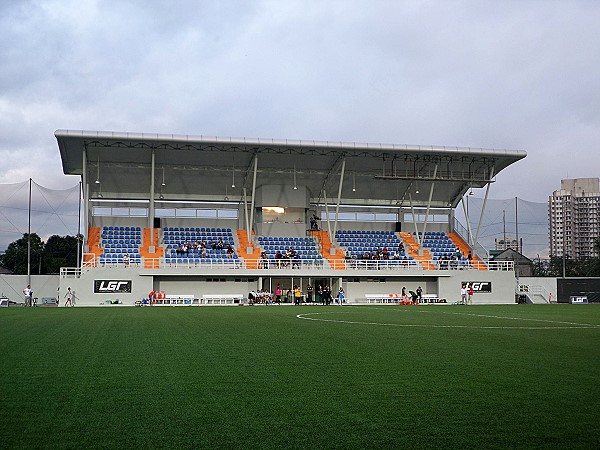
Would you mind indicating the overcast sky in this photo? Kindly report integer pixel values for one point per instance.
(499, 74)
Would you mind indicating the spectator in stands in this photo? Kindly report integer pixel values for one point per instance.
(220, 244)
(126, 259)
(230, 251)
(263, 261)
(400, 247)
(278, 258)
(470, 256)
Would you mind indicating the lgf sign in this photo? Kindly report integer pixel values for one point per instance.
(479, 286)
(112, 286)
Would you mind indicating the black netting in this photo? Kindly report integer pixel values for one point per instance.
(532, 223)
(53, 211)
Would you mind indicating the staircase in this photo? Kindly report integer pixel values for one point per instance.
(93, 243)
(412, 248)
(464, 249)
(251, 259)
(336, 261)
(151, 259)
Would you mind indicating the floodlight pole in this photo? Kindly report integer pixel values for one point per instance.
(79, 228)
(29, 240)
(151, 209)
(86, 190)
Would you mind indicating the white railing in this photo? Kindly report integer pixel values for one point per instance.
(536, 290)
(312, 265)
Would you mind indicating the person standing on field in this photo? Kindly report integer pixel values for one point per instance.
(27, 292)
(69, 297)
(463, 294)
(471, 291)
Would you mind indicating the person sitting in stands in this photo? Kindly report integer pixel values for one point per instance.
(278, 258)
(400, 247)
(220, 244)
(229, 251)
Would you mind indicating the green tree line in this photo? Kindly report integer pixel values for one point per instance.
(557, 265)
(46, 257)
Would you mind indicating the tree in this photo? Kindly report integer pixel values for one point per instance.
(59, 251)
(46, 258)
(15, 256)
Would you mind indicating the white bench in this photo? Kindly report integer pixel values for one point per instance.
(396, 298)
(222, 299)
(383, 298)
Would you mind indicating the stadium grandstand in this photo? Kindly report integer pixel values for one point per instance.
(202, 220)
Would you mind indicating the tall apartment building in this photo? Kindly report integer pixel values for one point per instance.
(574, 218)
(508, 242)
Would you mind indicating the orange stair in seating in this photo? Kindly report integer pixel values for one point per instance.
(251, 259)
(464, 249)
(412, 248)
(151, 259)
(336, 261)
(93, 243)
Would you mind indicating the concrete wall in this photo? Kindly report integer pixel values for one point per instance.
(12, 286)
(503, 286)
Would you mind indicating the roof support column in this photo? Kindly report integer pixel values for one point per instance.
(466, 212)
(327, 213)
(429, 200)
(487, 191)
(86, 198)
(249, 230)
(247, 219)
(151, 208)
(414, 217)
(337, 205)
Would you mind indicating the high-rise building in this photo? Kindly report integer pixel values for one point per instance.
(508, 242)
(574, 218)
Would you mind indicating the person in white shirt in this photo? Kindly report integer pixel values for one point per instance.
(463, 294)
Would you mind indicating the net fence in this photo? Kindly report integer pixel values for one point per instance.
(53, 211)
(513, 217)
(56, 211)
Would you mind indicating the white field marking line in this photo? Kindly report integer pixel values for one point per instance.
(578, 325)
(524, 318)
(409, 325)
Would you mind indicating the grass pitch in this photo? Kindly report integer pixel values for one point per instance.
(509, 376)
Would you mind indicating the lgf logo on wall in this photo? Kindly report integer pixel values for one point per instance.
(112, 286)
(479, 286)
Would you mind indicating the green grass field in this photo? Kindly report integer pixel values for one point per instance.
(509, 376)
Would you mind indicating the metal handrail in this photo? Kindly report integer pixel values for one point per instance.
(313, 265)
